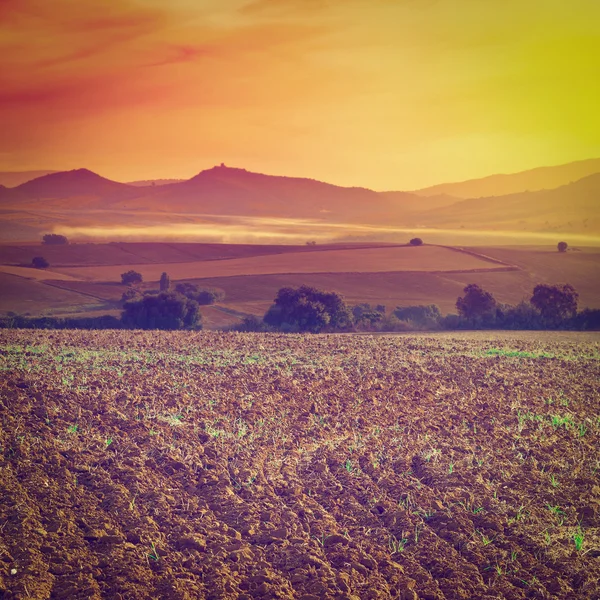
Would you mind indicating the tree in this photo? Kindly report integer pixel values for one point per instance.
(416, 242)
(165, 282)
(555, 302)
(39, 262)
(130, 294)
(131, 278)
(53, 239)
(308, 309)
(166, 310)
(476, 302)
(562, 246)
(202, 296)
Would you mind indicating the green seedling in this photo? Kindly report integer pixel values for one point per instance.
(578, 538)
(154, 554)
(395, 545)
(486, 540)
(72, 428)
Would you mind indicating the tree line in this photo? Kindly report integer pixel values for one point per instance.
(307, 309)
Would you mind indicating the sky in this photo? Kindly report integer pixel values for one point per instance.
(386, 94)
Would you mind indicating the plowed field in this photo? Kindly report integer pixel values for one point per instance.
(139, 465)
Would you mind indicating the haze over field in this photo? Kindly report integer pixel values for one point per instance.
(233, 205)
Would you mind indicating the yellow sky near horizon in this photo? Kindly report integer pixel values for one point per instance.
(387, 94)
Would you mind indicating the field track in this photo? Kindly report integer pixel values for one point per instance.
(195, 465)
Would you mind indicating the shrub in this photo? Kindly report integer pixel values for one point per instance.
(39, 262)
(131, 278)
(521, 316)
(416, 242)
(53, 239)
(166, 310)
(424, 316)
(130, 294)
(252, 323)
(588, 320)
(203, 296)
(367, 316)
(562, 246)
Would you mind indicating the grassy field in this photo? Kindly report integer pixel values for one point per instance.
(385, 275)
(123, 253)
(195, 465)
(359, 260)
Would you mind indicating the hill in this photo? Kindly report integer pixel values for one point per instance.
(68, 184)
(572, 207)
(226, 204)
(231, 191)
(503, 184)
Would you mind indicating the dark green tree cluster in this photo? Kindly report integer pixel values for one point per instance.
(203, 296)
(422, 316)
(307, 309)
(555, 303)
(39, 262)
(367, 316)
(166, 310)
(131, 278)
(53, 239)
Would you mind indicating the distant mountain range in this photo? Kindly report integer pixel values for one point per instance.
(81, 196)
(542, 178)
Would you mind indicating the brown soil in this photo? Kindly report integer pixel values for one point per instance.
(181, 466)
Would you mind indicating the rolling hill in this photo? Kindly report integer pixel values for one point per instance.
(542, 178)
(570, 207)
(219, 203)
(76, 183)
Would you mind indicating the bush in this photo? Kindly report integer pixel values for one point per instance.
(130, 294)
(19, 322)
(164, 311)
(424, 316)
(587, 320)
(366, 316)
(53, 239)
(39, 262)
(252, 323)
(203, 296)
(308, 309)
(131, 278)
(521, 316)
(562, 246)
(416, 242)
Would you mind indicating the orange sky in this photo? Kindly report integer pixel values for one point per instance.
(389, 94)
